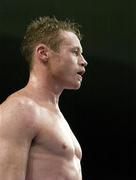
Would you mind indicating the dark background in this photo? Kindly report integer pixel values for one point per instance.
(102, 113)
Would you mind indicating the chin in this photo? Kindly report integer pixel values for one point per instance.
(74, 86)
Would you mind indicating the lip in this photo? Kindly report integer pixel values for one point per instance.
(79, 77)
(81, 72)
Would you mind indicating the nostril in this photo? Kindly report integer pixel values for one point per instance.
(84, 64)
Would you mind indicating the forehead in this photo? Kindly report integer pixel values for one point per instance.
(69, 39)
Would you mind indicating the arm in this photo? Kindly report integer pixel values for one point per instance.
(16, 133)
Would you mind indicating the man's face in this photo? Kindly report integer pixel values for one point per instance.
(68, 65)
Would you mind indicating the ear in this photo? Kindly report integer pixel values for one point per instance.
(42, 52)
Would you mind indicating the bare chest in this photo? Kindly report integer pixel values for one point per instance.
(56, 137)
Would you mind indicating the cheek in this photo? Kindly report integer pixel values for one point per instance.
(66, 72)
(71, 62)
(66, 66)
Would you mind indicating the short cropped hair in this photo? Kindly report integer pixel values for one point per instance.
(46, 30)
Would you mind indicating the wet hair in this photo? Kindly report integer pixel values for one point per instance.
(46, 30)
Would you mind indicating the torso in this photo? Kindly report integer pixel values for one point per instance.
(55, 153)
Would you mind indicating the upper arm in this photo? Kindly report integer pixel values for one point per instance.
(17, 129)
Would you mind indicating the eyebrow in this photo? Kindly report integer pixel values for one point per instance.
(78, 48)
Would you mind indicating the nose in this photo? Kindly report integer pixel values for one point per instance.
(83, 62)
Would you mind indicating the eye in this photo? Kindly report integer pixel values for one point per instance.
(76, 52)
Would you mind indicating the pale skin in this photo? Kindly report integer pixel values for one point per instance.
(36, 142)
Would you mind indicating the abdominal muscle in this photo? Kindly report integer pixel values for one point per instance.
(45, 166)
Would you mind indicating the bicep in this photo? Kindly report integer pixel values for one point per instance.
(13, 159)
(16, 134)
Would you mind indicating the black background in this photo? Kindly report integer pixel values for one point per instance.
(102, 112)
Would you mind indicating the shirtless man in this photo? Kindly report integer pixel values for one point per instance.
(36, 142)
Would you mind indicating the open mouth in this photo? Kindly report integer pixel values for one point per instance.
(81, 73)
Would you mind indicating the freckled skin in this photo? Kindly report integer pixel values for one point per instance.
(37, 142)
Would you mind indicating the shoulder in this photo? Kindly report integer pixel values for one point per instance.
(19, 112)
(18, 104)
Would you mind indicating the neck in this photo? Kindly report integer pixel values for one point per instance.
(44, 88)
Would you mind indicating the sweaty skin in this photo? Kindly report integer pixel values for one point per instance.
(50, 150)
(36, 142)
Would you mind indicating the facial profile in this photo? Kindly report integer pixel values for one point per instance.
(68, 64)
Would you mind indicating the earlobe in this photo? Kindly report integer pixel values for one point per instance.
(42, 52)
